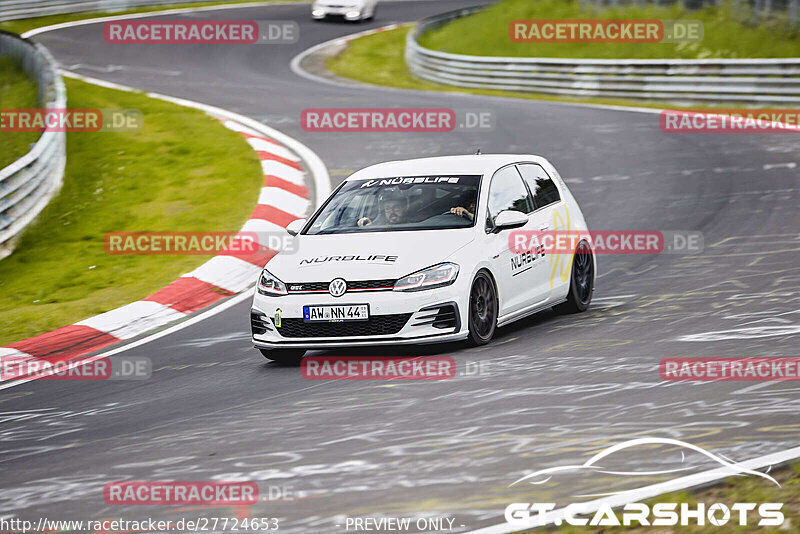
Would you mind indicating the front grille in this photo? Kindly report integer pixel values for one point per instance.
(352, 285)
(444, 316)
(308, 286)
(258, 322)
(371, 284)
(377, 325)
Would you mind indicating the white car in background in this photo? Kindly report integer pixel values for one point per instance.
(350, 10)
(418, 251)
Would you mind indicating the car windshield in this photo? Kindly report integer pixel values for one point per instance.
(401, 203)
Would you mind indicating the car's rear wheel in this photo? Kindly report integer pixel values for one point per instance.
(581, 284)
(284, 356)
(482, 309)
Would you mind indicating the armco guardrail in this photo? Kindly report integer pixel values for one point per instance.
(27, 184)
(772, 81)
(23, 9)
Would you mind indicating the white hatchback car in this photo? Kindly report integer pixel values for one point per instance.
(351, 10)
(418, 251)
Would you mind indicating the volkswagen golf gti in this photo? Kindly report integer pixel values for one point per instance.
(420, 251)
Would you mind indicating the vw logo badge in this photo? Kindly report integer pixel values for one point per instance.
(337, 287)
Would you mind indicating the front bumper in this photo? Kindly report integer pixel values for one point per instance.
(434, 316)
(349, 13)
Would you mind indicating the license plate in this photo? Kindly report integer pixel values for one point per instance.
(336, 314)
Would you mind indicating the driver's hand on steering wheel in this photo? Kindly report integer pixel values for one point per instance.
(462, 212)
(364, 221)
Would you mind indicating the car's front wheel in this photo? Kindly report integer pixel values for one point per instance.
(284, 356)
(482, 310)
(581, 284)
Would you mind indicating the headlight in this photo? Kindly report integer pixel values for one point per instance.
(269, 284)
(440, 275)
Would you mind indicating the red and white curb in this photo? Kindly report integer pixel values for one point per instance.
(286, 164)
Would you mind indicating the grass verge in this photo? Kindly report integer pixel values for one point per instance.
(748, 489)
(727, 33)
(23, 25)
(17, 91)
(183, 171)
(379, 59)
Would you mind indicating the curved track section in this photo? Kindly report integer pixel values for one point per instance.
(555, 388)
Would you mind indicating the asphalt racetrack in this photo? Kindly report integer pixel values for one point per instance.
(553, 388)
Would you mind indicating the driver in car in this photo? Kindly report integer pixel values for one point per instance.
(467, 213)
(392, 211)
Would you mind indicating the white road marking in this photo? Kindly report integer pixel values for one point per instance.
(272, 148)
(284, 200)
(233, 301)
(229, 273)
(133, 319)
(262, 227)
(282, 170)
(789, 165)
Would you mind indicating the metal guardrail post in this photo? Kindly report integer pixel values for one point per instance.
(28, 184)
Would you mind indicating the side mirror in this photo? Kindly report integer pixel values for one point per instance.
(295, 226)
(507, 219)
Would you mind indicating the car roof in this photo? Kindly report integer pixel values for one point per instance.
(483, 164)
